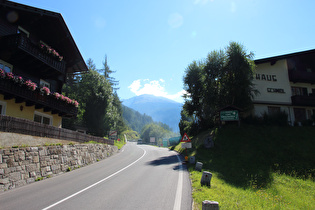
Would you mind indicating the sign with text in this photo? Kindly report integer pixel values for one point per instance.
(152, 139)
(186, 145)
(231, 115)
(112, 133)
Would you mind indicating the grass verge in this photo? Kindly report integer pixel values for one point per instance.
(256, 168)
(119, 144)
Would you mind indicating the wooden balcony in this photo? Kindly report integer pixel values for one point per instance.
(22, 50)
(35, 98)
(303, 100)
(302, 76)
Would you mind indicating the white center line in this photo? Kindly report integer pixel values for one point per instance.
(67, 198)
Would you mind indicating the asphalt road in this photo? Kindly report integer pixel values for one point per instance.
(139, 177)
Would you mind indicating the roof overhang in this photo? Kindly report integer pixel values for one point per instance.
(49, 26)
(281, 57)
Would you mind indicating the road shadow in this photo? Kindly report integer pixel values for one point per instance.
(167, 160)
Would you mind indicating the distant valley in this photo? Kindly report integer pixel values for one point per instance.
(159, 108)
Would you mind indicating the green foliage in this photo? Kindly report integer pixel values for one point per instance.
(276, 118)
(130, 134)
(119, 144)
(224, 78)
(134, 119)
(92, 142)
(154, 130)
(39, 179)
(100, 108)
(106, 72)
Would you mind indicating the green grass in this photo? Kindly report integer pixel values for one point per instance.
(119, 144)
(285, 192)
(256, 168)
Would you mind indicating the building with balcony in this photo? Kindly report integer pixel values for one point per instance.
(37, 53)
(286, 83)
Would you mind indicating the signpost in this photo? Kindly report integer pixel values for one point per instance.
(185, 138)
(152, 139)
(186, 143)
(112, 135)
(231, 115)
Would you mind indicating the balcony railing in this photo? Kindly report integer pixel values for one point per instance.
(23, 43)
(48, 102)
(303, 100)
(28, 127)
(302, 76)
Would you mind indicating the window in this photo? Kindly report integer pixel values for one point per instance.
(23, 31)
(5, 66)
(2, 107)
(273, 110)
(299, 91)
(42, 118)
(43, 83)
(309, 114)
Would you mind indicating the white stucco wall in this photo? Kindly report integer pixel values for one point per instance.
(271, 78)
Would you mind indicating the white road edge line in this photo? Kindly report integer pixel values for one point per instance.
(67, 198)
(179, 190)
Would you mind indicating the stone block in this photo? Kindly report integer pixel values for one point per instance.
(192, 159)
(20, 183)
(33, 174)
(10, 162)
(0, 158)
(15, 176)
(30, 180)
(198, 166)
(31, 167)
(7, 152)
(35, 159)
(19, 168)
(3, 165)
(206, 178)
(210, 205)
(42, 152)
(4, 181)
(34, 149)
(1, 171)
(55, 167)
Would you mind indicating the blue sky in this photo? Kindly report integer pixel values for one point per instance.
(149, 43)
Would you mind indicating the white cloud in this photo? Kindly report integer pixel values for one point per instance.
(135, 86)
(154, 87)
(175, 20)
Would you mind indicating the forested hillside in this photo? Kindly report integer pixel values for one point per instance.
(159, 108)
(134, 119)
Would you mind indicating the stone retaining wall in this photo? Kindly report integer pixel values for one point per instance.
(20, 166)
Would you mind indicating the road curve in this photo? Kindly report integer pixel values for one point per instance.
(139, 177)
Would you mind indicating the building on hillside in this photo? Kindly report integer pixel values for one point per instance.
(286, 83)
(37, 53)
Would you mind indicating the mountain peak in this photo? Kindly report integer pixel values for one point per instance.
(161, 109)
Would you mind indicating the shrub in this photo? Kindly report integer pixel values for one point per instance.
(276, 118)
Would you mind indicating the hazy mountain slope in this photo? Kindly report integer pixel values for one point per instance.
(159, 108)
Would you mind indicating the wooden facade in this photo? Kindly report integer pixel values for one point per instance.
(36, 46)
